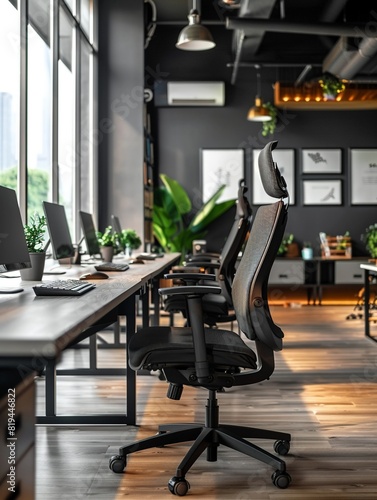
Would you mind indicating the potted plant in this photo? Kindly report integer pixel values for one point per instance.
(268, 127)
(35, 231)
(129, 240)
(331, 86)
(284, 245)
(108, 241)
(173, 227)
(370, 239)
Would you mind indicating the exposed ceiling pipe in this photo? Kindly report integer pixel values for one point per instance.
(367, 49)
(240, 39)
(330, 29)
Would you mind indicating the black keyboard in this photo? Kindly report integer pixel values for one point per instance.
(111, 266)
(63, 287)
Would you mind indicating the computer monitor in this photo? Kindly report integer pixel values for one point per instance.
(116, 224)
(14, 254)
(89, 231)
(58, 230)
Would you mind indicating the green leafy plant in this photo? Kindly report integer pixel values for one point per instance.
(108, 238)
(370, 239)
(268, 127)
(173, 227)
(129, 238)
(34, 233)
(283, 248)
(331, 85)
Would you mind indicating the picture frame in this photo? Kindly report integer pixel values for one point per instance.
(363, 176)
(218, 167)
(285, 160)
(322, 192)
(322, 161)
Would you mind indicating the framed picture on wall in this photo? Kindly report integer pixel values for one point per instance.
(363, 164)
(321, 161)
(218, 167)
(322, 192)
(285, 159)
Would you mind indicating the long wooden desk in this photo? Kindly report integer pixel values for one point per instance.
(369, 269)
(35, 330)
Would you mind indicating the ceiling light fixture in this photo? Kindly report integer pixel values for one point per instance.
(195, 36)
(258, 113)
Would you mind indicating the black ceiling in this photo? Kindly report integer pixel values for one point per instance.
(287, 33)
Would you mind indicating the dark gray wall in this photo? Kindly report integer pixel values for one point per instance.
(182, 132)
(121, 98)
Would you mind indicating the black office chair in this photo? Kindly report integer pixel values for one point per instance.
(217, 359)
(216, 308)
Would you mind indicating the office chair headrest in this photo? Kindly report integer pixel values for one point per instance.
(243, 206)
(273, 182)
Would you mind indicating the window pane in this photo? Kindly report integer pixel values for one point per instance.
(72, 5)
(9, 93)
(39, 121)
(39, 18)
(85, 12)
(86, 141)
(66, 119)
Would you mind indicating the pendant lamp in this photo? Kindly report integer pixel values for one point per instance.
(195, 36)
(258, 113)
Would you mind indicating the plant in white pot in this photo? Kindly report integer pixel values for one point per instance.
(108, 242)
(129, 240)
(35, 232)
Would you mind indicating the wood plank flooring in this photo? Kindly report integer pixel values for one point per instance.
(323, 392)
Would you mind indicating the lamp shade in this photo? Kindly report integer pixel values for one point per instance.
(195, 36)
(258, 113)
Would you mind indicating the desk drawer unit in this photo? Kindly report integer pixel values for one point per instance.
(285, 272)
(348, 273)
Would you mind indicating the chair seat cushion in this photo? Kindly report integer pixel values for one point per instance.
(212, 304)
(159, 347)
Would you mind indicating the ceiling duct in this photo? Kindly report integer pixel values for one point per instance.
(338, 57)
(367, 49)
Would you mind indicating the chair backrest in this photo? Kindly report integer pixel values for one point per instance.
(249, 292)
(234, 243)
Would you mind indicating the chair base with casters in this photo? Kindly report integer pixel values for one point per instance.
(209, 437)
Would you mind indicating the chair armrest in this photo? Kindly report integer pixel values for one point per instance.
(207, 264)
(190, 276)
(203, 254)
(189, 290)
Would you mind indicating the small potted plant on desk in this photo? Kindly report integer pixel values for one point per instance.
(107, 241)
(34, 236)
(129, 240)
(370, 239)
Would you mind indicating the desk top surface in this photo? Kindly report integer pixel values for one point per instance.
(369, 267)
(42, 326)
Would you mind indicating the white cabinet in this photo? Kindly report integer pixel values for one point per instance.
(287, 272)
(348, 273)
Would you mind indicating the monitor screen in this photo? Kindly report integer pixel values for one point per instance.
(89, 231)
(14, 254)
(116, 224)
(58, 230)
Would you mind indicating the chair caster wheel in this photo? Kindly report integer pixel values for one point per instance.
(281, 479)
(117, 463)
(282, 447)
(178, 486)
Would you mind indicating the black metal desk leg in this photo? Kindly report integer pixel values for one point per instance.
(50, 388)
(129, 311)
(156, 302)
(366, 302)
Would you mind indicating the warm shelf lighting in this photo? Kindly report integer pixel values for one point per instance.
(310, 96)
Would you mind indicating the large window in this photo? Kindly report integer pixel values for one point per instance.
(47, 103)
(9, 93)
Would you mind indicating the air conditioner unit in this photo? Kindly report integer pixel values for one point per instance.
(195, 93)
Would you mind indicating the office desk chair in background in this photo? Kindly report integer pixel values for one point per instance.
(216, 359)
(216, 308)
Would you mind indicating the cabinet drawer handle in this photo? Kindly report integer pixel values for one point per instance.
(283, 275)
(357, 275)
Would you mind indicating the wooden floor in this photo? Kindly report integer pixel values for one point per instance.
(323, 392)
